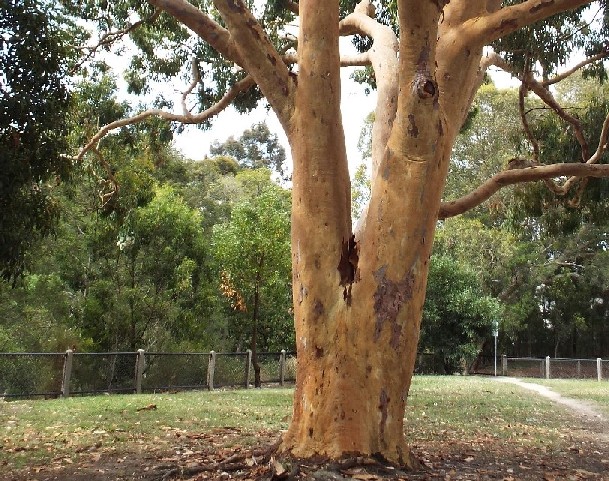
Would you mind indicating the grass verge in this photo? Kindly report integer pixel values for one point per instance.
(441, 410)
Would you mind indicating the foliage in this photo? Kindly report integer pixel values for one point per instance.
(457, 316)
(153, 293)
(34, 100)
(253, 252)
(360, 191)
(256, 148)
(550, 43)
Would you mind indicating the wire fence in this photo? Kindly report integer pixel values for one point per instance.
(51, 375)
(545, 367)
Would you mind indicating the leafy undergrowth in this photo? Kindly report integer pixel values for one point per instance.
(459, 428)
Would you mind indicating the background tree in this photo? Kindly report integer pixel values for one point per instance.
(256, 148)
(252, 249)
(34, 102)
(457, 316)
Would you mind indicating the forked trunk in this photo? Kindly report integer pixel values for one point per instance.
(358, 298)
(358, 305)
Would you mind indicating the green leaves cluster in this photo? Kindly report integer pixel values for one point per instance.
(34, 100)
(253, 251)
(457, 316)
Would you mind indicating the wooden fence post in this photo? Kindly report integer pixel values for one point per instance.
(282, 368)
(248, 368)
(599, 368)
(67, 373)
(504, 369)
(547, 367)
(211, 367)
(140, 363)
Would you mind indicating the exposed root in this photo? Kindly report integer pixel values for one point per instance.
(243, 461)
(348, 468)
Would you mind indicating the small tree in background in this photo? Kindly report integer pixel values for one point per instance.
(457, 316)
(252, 250)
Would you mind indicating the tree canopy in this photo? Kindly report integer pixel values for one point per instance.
(34, 102)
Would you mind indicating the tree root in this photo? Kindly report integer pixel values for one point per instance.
(261, 464)
(237, 462)
(349, 468)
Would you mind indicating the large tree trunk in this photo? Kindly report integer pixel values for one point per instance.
(358, 299)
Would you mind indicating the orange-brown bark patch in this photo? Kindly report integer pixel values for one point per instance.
(388, 299)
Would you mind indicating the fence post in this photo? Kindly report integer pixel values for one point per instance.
(282, 368)
(579, 369)
(547, 367)
(599, 368)
(139, 370)
(248, 368)
(67, 373)
(504, 365)
(211, 366)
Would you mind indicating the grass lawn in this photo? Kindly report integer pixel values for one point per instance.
(446, 416)
(36, 431)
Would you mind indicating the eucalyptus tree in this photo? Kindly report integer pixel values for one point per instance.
(256, 148)
(358, 294)
(458, 315)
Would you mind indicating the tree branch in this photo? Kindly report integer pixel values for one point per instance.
(218, 37)
(541, 89)
(110, 37)
(260, 59)
(355, 60)
(383, 57)
(542, 172)
(571, 71)
(196, 79)
(187, 118)
(487, 28)
(291, 6)
(522, 91)
(516, 176)
(546, 96)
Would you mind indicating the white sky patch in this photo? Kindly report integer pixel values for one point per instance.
(194, 143)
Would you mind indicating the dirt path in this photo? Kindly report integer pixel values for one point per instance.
(586, 410)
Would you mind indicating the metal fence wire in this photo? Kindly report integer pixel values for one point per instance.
(230, 369)
(70, 373)
(525, 367)
(165, 371)
(49, 375)
(555, 368)
(109, 372)
(30, 375)
(573, 368)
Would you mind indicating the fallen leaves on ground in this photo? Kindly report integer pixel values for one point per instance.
(235, 454)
